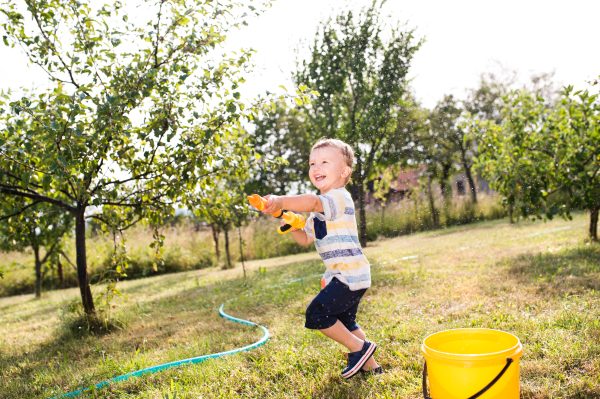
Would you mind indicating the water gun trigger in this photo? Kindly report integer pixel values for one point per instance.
(292, 220)
(283, 229)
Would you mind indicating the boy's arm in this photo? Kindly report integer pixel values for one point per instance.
(294, 203)
(302, 238)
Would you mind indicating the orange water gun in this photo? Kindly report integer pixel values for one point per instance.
(291, 219)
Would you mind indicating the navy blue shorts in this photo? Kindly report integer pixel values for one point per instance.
(335, 302)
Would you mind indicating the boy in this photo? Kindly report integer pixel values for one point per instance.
(332, 226)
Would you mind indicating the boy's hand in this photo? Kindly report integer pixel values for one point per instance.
(273, 204)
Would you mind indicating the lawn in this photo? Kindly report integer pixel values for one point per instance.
(540, 281)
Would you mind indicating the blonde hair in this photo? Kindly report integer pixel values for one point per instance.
(345, 149)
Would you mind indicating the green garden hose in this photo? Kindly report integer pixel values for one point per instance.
(177, 363)
(199, 359)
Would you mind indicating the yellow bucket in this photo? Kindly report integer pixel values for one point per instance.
(469, 363)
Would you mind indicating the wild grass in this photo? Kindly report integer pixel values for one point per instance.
(188, 247)
(414, 215)
(537, 280)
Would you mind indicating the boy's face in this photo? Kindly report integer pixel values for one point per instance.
(327, 169)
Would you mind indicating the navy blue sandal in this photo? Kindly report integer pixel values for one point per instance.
(357, 359)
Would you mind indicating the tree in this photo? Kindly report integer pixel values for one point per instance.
(428, 150)
(36, 225)
(511, 154)
(280, 137)
(361, 79)
(575, 131)
(441, 142)
(382, 187)
(135, 114)
(447, 119)
(545, 160)
(485, 102)
(223, 202)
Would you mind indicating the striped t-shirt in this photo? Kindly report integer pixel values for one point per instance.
(336, 240)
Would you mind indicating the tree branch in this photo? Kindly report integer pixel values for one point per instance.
(34, 13)
(82, 33)
(67, 258)
(28, 167)
(106, 222)
(6, 217)
(16, 191)
(155, 52)
(34, 185)
(139, 204)
(118, 182)
(50, 251)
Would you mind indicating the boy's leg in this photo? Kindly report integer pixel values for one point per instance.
(339, 333)
(371, 363)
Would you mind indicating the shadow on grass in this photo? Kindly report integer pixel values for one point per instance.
(573, 269)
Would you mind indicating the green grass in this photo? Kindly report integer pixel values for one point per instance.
(539, 281)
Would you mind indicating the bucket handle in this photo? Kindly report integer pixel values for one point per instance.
(478, 394)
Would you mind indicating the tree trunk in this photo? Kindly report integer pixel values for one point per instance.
(82, 274)
(471, 184)
(469, 176)
(358, 194)
(446, 192)
(435, 217)
(242, 250)
(362, 228)
(215, 234)
(38, 272)
(594, 224)
(59, 271)
(511, 212)
(227, 253)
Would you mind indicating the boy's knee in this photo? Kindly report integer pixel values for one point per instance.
(316, 318)
(348, 319)
(351, 325)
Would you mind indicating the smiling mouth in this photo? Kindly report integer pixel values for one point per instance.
(319, 178)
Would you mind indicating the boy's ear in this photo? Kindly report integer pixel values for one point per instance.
(347, 172)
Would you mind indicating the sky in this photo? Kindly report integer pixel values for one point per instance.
(463, 39)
